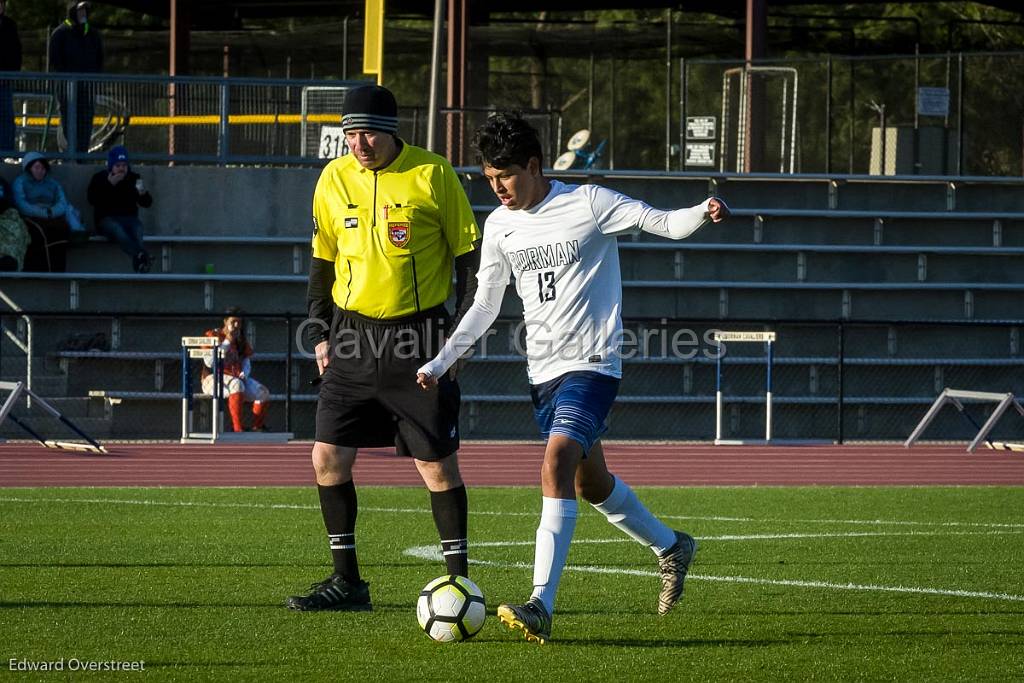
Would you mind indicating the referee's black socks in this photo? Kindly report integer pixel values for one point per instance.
(338, 505)
(450, 515)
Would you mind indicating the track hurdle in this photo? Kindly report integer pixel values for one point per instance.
(956, 397)
(766, 338)
(210, 352)
(205, 349)
(19, 388)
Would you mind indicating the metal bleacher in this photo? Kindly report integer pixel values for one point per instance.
(807, 255)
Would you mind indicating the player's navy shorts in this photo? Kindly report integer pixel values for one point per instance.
(574, 405)
(369, 396)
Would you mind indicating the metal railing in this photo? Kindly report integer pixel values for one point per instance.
(954, 114)
(841, 381)
(187, 119)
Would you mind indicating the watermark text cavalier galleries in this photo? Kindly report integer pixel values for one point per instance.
(74, 664)
(655, 342)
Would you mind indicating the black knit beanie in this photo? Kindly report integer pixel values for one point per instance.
(371, 107)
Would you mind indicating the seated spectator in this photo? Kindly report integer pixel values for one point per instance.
(14, 237)
(47, 213)
(236, 365)
(116, 194)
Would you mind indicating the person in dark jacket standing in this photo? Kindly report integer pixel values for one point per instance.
(10, 60)
(76, 47)
(116, 195)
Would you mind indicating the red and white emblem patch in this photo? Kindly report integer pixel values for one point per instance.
(399, 233)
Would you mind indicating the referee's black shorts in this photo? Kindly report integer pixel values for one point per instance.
(369, 395)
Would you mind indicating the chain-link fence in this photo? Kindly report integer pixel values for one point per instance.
(210, 120)
(121, 376)
(181, 119)
(951, 114)
(461, 124)
(841, 382)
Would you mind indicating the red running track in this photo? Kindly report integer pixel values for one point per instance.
(503, 464)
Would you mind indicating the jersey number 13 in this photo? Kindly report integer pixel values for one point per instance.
(546, 286)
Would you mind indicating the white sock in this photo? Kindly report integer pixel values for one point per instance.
(557, 524)
(624, 510)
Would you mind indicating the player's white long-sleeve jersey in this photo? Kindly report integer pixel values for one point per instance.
(565, 260)
(564, 256)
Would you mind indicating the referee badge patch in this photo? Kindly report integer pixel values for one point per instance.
(352, 222)
(398, 233)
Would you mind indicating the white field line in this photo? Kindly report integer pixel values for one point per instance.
(432, 553)
(492, 513)
(162, 503)
(766, 537)
(893, 522)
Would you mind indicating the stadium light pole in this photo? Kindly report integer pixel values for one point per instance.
(435, 68)
(457, 39)
(668, 89)
(756, 40)
(344, 48)
(181, 43)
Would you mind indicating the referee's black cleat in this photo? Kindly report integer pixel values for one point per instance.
(333, 593)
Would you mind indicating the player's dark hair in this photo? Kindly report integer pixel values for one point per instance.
(506, 139)
(236, 312)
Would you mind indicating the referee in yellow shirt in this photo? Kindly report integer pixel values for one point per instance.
(390, 221)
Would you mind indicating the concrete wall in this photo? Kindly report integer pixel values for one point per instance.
(208, 200)
(211, 200)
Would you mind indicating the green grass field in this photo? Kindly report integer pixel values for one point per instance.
(790, 583)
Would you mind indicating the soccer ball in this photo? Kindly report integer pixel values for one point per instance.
(450, 608)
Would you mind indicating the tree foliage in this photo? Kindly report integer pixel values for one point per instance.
(33, 15)
(541, 61)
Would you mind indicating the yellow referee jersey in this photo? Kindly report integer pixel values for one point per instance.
(392, 233)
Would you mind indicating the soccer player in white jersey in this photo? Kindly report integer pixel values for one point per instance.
(559, 242)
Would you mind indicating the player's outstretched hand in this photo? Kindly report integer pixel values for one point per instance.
(426, 382)
(718, 210)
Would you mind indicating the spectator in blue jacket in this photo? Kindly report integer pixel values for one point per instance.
(116, 195)
(41, 201)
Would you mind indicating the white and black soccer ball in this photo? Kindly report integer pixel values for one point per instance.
(451, 608)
